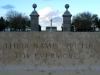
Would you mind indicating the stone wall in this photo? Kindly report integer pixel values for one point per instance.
(49, 53)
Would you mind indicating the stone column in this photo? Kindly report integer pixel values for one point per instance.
(66, 19)
(34, 19)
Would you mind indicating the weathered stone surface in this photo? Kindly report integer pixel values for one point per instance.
(34, 19)
(66, 19)
(55, 53)
(42, 72)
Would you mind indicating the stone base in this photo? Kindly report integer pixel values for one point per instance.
(42, 72)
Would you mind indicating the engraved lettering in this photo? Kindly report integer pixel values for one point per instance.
(41, 45)
(70, 55)
(26, 45)
(17, 55)
(22, 55)
(16, 45)
(59, 55)
(48, 45)
(54, 45)
(76, 55)
(35, 45)
(52, 55)
(43, 55)
(44, 45)
(36, 54)
(65, 55)
(70, 45)
(28, 55)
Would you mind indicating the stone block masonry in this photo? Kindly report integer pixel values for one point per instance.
(31, 53)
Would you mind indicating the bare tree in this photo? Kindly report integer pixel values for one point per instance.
(17, 21)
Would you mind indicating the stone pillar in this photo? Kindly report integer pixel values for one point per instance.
(34, 19)
(66, 19)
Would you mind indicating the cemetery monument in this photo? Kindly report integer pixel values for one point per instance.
(46, 53)
(34, 19)
(67, 19)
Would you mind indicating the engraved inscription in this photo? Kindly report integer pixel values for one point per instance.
(57, 55)
(49, 55)
(16, 45)
(50, 49)
(40, 45)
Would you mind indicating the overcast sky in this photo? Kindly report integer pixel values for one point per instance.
(50, 9)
